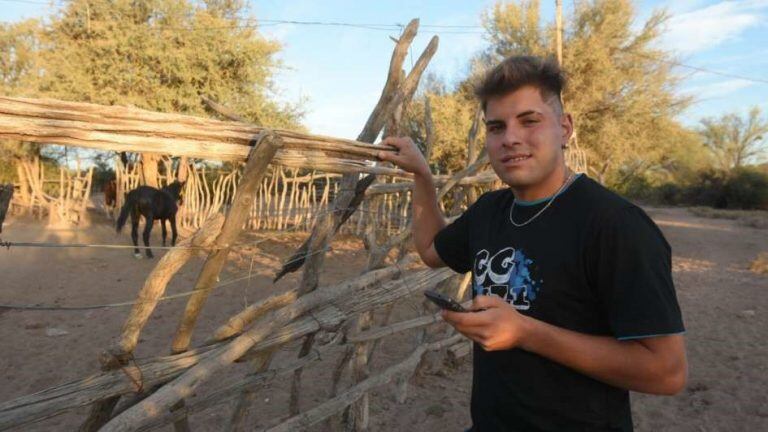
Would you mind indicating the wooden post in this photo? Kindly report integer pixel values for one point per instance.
(147, 300)
(262, 153)
(559, 30)
(396, 93)
(6, 193)
(158, 279)
(328, 408)
(149, 169)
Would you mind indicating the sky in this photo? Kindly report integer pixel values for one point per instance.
(337, 72)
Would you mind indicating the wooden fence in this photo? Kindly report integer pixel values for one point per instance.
(350, 318)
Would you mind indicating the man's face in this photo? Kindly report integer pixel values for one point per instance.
(524, 137)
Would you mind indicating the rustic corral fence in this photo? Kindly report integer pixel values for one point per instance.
(61, 194)
(350, 318)
(286, 198)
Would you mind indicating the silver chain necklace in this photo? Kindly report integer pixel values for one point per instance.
(551, 200)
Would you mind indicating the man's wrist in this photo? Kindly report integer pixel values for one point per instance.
(423, 173)
(529, 334)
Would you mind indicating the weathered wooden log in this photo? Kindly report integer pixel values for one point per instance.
(351, 189)
(249, 382)
(237, 422)
(237, 323)
(328, 318)
(56, 400)
(317, 414)
(380, 332)
(135, 130)
(224, 111)
(396, 93)
(99, 414)
(261, 155)
(158, 279)
(184, 385)
(480, 179)
(6, 193)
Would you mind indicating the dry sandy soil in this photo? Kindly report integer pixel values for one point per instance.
(725, 308)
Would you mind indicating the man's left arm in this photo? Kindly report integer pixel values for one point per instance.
(654, 365)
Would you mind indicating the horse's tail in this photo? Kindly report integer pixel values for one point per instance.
(130, 202)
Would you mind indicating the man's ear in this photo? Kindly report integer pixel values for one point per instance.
(566, 124)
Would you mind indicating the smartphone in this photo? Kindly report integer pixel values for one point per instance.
(444, 301)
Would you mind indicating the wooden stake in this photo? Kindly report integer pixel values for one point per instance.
(6, 193)
(263, 151)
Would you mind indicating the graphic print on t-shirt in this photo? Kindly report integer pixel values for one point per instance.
(506, 274)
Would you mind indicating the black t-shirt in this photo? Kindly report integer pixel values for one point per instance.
(591, 262)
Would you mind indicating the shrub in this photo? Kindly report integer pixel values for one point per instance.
(746, 188)
(706, 189)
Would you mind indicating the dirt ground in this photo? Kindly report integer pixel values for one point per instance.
(725, 308)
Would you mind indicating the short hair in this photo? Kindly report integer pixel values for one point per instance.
(516, 72)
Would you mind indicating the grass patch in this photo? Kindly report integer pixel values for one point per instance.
(760, 264)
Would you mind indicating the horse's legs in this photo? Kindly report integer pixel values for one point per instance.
(135, 233)
(165, 232)
(174, 234)
(147, 231)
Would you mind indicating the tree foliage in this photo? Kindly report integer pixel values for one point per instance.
(154, 54)
(621, 88)
(736, 140)
(161, 55)
(18, 54)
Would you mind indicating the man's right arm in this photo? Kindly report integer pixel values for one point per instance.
(428, 220)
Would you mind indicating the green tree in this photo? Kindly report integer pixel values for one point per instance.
(162, 55)
(18, 55)
(621, 87)
(19, 46)
(736, 140)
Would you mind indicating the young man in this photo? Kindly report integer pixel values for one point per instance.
(574, 303)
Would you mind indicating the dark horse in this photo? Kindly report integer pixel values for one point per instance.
(152, 204)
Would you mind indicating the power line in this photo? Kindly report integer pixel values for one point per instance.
(714, 72)
(700, 69)
(33, 2)
(262, 23)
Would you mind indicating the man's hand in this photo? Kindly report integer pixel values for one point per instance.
(407, 155)
(495, 324)
(655, 365)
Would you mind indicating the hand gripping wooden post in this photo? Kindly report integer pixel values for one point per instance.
(396, 93)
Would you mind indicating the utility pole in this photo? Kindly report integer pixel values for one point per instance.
(575, 158)
(559, 31)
